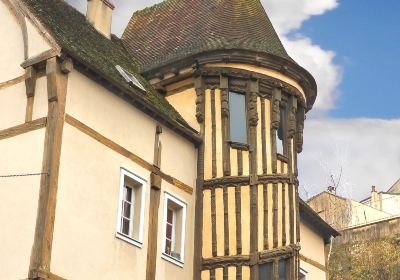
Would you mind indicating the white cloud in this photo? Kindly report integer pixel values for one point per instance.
(288, 15)
(366, 149)
(321, 65)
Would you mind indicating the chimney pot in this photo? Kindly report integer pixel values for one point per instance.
(373, 189)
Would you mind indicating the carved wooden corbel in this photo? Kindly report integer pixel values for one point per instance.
(300, 129)
(200, 91)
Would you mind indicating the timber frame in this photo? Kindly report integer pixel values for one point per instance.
(254, 86)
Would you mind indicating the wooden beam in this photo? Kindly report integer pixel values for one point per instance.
(155, 195)
(30, 85)
(198, 226)
(313, 263)
(124, 152)
(40, 58)
(43, 239)
(23, 128)
(12, 82)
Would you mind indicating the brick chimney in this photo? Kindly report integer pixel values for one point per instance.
(99, 14)
(375, 199)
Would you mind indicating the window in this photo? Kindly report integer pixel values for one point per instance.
(174, 229)
(237, 107)
(303, 274)
(283, 270)
(129, 77)
(265, 271)
(280, 140)
(131, 208)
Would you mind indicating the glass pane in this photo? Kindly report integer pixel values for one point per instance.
(168, 247)
(282, 270)
(237, 105)
(169, 231)
(127, 210)
(170, 215)
(125, 226)
(265, 271)
(128, 194)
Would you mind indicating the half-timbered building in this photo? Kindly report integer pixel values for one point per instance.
(168, 153)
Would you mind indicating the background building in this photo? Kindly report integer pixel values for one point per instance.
(169, 153)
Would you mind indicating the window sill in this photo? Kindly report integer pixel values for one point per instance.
(239, 146)
(129, 240)
(172, 260)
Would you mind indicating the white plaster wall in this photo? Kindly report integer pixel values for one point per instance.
(12, 46)
(36, 42)
(313, 247)
(111, 116)
(179, 157)
(19, 200)
(40, 103)
(164, 267)
(12, 105)
(85, 246)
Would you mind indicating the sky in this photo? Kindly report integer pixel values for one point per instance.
(352, 48)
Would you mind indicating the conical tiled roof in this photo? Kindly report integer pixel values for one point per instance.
(176, 29)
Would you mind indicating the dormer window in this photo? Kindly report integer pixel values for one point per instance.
(129, 77)
(238, 127)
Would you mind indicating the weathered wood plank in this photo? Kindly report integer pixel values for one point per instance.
(43, 239)
(12, 82)
(23, 128)
(312, 262)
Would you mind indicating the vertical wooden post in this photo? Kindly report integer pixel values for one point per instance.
(224, 85)
(275, 120)
(43, 239)
(30, 84)
(155, 194)
(198, 227)
(252, 126)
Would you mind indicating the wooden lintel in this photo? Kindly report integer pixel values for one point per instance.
(40, 58)
(23, 128)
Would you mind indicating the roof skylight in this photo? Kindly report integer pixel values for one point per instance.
(129, 77)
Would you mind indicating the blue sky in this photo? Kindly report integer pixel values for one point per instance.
(365, 36)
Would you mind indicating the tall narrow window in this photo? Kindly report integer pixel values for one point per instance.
(265, 271)
(283, 270)
(237, 106)
(131, 210)
(280, 139)
(174, 229)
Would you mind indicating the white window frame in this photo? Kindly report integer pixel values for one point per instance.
(143, 182)
(182, 204)
(305, 273)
